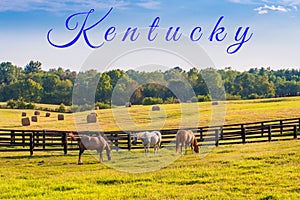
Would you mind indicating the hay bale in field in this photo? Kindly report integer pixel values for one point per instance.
(37, 112)
(177, 101)
(25, 121)
(214, 103)
(155, 108)
(23, 114)
(128, 104)
(60, 117)
(47, 114)
(34, 118)
(97, 108)
(91, 118)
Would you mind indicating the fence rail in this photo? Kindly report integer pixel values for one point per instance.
(52, 140)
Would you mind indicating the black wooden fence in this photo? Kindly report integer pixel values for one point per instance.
(47, 140)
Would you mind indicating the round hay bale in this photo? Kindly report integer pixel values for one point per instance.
(23, 114)
(97, 108)
(214, 103)
(177, 101)
(91, 118)
(34, 118)
(25, 121)
(155, 108)
(60, 117)
(48, 114)
(37, 112)
(128, 104)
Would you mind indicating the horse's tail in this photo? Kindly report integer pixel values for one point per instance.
(159, 139)
(177, 141)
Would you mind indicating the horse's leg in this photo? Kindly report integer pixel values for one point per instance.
(148, 150)
(181, 152)
(81, 150)
(185, 148)
(101, 156)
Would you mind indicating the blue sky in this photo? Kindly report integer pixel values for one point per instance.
(275, 26)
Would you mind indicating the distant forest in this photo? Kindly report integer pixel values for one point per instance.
(55, 86)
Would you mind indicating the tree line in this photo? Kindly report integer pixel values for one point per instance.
(55, 86)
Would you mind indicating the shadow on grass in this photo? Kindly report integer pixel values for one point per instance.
(13, 157)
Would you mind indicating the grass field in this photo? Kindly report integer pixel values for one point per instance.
(170, 116)
(250, 171)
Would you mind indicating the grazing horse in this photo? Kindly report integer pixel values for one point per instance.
(148, 139)
(186, 138)
(91, 143)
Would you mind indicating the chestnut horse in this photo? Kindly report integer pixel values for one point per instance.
(91, 143)
(186, 138)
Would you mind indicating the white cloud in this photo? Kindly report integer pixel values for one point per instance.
(149, 4)
(263, 6)
(63, 5)
(265, 9)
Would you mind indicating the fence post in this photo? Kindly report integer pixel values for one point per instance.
(23, 138)
(37, 138)
(281, 128)
(295, 132)
(243, 130)
(217, 137)
(116, 140)
(129, 141)
(31, 145)
(201, 134)
(221, 133)
(269, 133)
(65, 143)
(12, 137)
(44, 139)
(262, 129)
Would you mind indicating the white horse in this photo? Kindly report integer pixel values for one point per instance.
(148, 139)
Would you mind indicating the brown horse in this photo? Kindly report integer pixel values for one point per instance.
(91, 143)
(186, 138)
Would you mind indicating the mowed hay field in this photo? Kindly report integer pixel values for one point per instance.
(250, 171)
(170, 115)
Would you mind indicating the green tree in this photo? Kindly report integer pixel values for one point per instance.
(33, 67)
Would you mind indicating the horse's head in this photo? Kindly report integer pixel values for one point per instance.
(72, 136)
(196, 149)
(195, 146)
(134, 139)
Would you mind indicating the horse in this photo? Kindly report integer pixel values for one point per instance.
(91, 143)
(186, 138)
(148, 139)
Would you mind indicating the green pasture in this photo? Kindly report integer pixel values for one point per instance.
(265, 171)
(250, 171)
(170, 115)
